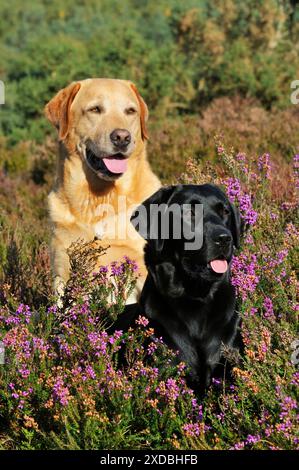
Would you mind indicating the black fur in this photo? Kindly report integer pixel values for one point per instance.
(189, 305)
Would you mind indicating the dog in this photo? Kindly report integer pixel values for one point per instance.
(187, 295)
(102, 171)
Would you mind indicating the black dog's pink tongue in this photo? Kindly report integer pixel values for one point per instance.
(219, 266)
(116, 165)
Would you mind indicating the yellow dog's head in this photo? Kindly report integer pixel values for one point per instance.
(103, 119)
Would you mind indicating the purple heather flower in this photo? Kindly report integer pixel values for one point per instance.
(238, 446)
(173, 390)
(264, 165)
(233, 188)
(143, 321)
(192, 429)
(295, 379)
(151, 348)
(53, 309)
(24, 372)
(90, 372)
(61, 392)
(268, 308)
(248, 214)
(117, 269)
(253, 439)
(131, 263)
(103, 269)
(244, 276)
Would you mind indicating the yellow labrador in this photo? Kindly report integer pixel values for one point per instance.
(102, 171)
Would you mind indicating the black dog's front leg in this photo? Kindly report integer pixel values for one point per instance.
(167, 280)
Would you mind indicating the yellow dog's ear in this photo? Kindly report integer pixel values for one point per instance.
(143, 112)
(58, 109)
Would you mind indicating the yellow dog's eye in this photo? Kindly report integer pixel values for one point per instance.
(96, 109)
(130, 111)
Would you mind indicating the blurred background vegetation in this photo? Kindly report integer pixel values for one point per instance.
(203, 67)
(182, 55)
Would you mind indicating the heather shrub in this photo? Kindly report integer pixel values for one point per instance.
(62, 386)
(67, 383)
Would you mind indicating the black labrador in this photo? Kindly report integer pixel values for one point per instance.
(188, 296)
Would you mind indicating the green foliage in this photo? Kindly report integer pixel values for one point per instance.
(182, 56)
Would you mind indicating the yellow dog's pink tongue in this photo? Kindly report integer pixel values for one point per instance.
(116, 165)
(219, 265)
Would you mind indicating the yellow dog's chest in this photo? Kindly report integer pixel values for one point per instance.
(104, 221)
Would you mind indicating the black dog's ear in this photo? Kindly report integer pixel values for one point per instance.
(236, 224)
(145, 223)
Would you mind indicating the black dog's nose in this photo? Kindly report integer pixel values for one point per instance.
(223, 239)
(120, 138)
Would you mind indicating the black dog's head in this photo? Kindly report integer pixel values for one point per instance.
(201, 231)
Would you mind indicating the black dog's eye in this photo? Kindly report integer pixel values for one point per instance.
(222, 210)
(96, 109)
(130, 111)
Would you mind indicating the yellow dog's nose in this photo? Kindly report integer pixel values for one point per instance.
(120, 138)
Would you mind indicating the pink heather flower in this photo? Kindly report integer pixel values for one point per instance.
(192, 429)
(21, 404)
(64, 347)
(181, 367)
(151, 348)
(24, 310)
(233, 188)
(76, 371)
(90, 372)
(247, 212)
(249, 239)
(264, 165)
(24, 372)
(238, 446)
(117, 334)
(288, 403)
(253, 439)
(241, 157)
(236, 195)
(143, 321)
(61, 392)
(53, 309)
(244, 276)
(268, 308)
(242, 160)
(291, 232)
(172, 388)
(295, 379)
(99, 342)
(40, 345)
